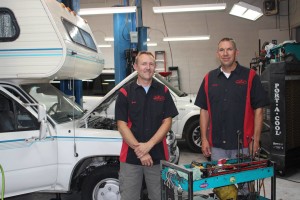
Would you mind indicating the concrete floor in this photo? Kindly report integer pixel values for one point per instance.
(287, 187)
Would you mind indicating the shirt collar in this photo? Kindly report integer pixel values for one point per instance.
(153, 84)
(236, 70)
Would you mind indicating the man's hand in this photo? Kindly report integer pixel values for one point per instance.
(204, 122)
(146, 160)
(142, 149)
(206, 148)
(253, 148)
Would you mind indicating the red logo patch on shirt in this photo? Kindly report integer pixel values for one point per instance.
(215, 85)
(241, 82)
(133, 102)
(158, 98)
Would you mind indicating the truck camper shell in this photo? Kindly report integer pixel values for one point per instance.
(46, 40)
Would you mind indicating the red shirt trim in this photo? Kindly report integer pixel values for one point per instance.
(249, 112)
(209, 110)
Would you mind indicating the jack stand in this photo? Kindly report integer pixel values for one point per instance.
(57, 197)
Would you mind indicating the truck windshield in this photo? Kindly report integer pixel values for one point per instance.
(59, 106)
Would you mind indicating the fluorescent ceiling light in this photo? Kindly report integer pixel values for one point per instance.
(109, 80)
(188, 8)
(109, 39)
(187, 38)
(104, 45)
(246, 11)
(107, 10)
(153, 44)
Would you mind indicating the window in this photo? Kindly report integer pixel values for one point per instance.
(88, 39)
(9, 28)
(79, 36)
(14, 117)
(59, 106)
(74, 33)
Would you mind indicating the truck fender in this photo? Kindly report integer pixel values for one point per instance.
(87, 166)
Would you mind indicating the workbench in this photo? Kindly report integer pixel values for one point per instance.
(175, 187)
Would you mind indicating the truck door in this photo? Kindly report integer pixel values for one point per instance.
(29, 163)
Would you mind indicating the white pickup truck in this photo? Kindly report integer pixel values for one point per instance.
(47, 142)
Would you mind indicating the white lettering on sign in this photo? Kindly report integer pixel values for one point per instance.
(277, 110)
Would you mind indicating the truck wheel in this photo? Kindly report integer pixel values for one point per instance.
(193, 136)
(102, 184)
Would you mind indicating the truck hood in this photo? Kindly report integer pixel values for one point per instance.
(91, 102)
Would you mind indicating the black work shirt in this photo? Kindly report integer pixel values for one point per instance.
(144, 113)
(231, 103)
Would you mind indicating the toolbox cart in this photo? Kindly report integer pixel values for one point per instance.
(232, 171)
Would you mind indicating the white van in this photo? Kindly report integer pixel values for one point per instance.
(47, 142)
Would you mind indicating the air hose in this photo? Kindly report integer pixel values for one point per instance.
(3, 183)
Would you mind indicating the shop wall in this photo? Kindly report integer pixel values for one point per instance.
(194, 58)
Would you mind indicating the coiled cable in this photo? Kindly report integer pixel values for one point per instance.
(3, 183)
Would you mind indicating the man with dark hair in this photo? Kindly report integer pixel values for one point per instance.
(144, 111)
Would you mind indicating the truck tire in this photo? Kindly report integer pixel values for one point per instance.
(193, 135)
(102, 184)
